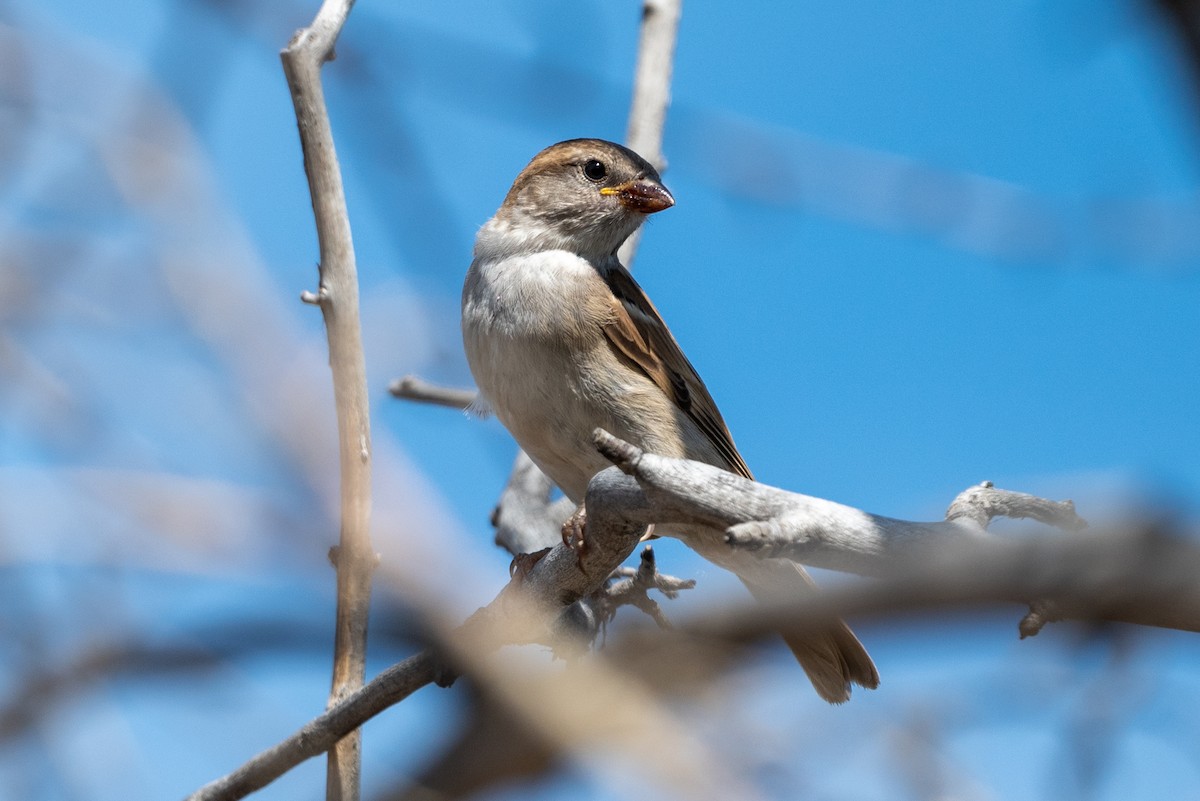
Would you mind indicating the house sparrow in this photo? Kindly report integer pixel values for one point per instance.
(561, 340)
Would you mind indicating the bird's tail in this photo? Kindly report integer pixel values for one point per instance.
(833, 658)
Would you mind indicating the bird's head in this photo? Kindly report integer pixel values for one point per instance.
(583, 195)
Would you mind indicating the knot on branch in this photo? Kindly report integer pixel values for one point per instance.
(770, 538)
(318, 298)
(1040, 613)
(621, 453)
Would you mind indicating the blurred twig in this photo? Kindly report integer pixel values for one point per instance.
(337, 296)
(1184, 16)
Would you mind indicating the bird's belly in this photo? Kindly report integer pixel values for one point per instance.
(534, 339)
(552, 401)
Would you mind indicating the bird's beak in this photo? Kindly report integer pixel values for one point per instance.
(641, 194)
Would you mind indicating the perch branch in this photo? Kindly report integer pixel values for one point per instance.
(983, 502)
(337, 297)
(773, 522)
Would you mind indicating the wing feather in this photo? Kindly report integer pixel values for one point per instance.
(636, 331)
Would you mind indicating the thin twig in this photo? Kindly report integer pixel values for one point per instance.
(321, 733)
(416, 389)
(337, 296)
(631, 587)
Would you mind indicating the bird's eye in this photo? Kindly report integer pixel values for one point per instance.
(594, 170)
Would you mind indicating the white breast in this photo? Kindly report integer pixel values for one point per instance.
(533, 320)
(525, 328)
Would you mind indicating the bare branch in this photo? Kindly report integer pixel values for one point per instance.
(1096, 577)
(416, 389)
(524, 611)
(632, 588)
(320, 734)
(774, 522)
(1144, 576)
(337, 297)
(651, 92)
(652, 80)
(983, 502)
(525, 517)
(1140, 576)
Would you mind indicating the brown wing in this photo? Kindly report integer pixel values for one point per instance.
(638, 333)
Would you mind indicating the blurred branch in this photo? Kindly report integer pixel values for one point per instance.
(34, 698)
(1141, 576)
(337, 296)
(1184, 17)
(651, 92)
(493, 747)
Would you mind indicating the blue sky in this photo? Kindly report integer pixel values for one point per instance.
(915, 247)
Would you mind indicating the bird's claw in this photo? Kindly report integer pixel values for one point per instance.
(523, 563)
(574, 531)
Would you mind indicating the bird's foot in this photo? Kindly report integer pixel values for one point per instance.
(574, 531)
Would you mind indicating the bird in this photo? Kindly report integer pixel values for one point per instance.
(561, 340)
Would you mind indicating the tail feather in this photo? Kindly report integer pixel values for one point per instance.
(834, 659)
